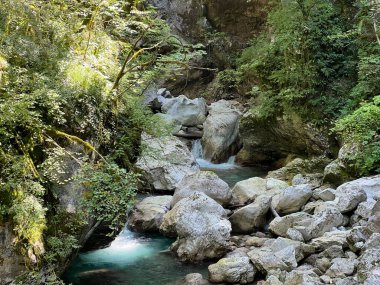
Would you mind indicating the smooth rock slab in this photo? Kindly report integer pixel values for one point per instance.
(232, 270)
(147, 215)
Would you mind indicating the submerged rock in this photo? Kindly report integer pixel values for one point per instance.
(234, 270)
(147, 215)
(221, 131)
(204, 181)
(201, 228)
(164, 162)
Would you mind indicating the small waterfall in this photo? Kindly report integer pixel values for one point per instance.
(197, 149)
(231, 160)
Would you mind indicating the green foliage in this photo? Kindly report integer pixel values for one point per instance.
(362, 127)
(230, 78)
(304, 63)
(29, 217)
(321, 60)
(111, 191)
(60, 247)
(73, 72)
(46, 277)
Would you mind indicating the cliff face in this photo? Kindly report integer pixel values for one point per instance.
(270, 140)
(239, 19)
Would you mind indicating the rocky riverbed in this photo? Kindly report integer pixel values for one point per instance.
(296, 226)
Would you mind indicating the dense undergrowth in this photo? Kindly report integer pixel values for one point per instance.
(320, 59)
(71, 78)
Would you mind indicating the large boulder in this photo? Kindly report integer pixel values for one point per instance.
(251, 217)
(332, 238)
(370, 185)
(292, 199)
(281, 253)
(335, 173)
(221, 131)
(281, 225)
(248, 190)
(201, 228)
(374, 219)
(147, 215)
(341, 267)
(323, 221)
(310, 226)
(349, 195)
(164, 162)
(304, 275)
(204, 181)
(325, 194)
(234, 270)
(368, 268)
(188, 112)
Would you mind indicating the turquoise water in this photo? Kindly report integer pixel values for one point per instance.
(230, 172)
(131, 259)
(137, 259)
